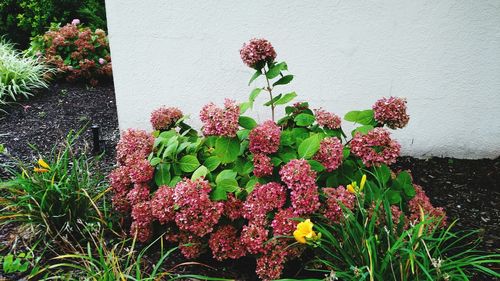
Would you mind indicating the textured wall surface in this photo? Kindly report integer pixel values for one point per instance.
(443, 56)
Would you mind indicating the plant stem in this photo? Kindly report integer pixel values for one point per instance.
(270, 90)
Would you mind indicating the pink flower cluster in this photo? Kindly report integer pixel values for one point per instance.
(196, 212)
(220, 121)
(336, 199)
(283, 223)
(164, 118)
(391, 112)
(233, 207)
(254, 236)
(330, 153)
(422, 201)
(140, 170)
(264, 198)
(257, 50)
(375, 148)
(301, 179)
(162, 204)
(142, 221)
(191, 246)
(327, 119)
(262, 165)
(270, 265)
(134, 144)
(138, 194)
(225, 244)
(265, 138)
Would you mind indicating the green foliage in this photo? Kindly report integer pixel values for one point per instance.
(22, 19)
(18, 263)
(20, 75)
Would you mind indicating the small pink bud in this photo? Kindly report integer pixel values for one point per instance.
(102, 61)
(75, 22)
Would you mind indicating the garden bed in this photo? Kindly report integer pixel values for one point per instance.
(469, 190)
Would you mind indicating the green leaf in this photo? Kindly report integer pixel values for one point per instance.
(383, 173)
(316, 166)
(171, 148)
(244, 106)
(394, 197)
(218, 194)
(276, 70)
(202, 171)
(189, 163)
(254, 76)
(227, 149)
(155, 161)
(212, 163)
(286, 98)
(175, 180)
(286, 138)
(362, 129)
(251, 184)
(403, 181)
(243, 134)
(287, 156)
(284, 80)
(309, 147)
(254, 94)
(273, 100)
(162, 174)
(304, 119)
(228, 185)
(364, 117)
(346, 152)
(247, 122)
(226, 174)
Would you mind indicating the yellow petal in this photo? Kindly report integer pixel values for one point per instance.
(363, 181)
(43, 164)
(40, 170)
(350, 189)
(299, 237)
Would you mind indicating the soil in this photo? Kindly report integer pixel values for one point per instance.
(469, 190)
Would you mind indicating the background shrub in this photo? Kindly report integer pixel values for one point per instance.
(20, 19)
(20, 74)
(76, 51)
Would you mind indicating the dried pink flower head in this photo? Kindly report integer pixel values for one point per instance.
(162, 204)
(262, 165)
(327, 119)
(190, 245)
(225, 243)
(165, 118)
(422, 201)
(141, 213)
(265, 138)
(233, 207)
(257, 51)
(375, 148)
(120, 179)
(330, 153)
(220, 121)
(120, 202)
(264, 198)
(391, 112)
(270, 265)
(143, 232)
(284, 223)
(336, 199)
(140, 170)
(134, 144)
(301, 179)
(196, 212)
(139, 193)
(253, 236)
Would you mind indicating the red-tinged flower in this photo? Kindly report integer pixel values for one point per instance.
(120, 202)
(270, 265)
(254, 236)
(165, 118)
(391, 112)
(265, 138)
(134, 144)
(262, 165)
(330, 153)
(190, 245)
(141, 213)
(327, 119)
(284, 223)
(262, 199)
(336, 199)
(305, 200)
(257, 50)
(301, 180)
(139, 193)
(196, 212)
(120, 179)
(225, 244)
(143, 231)
(422, 201)
(220, 121)
(375, 148)
(162, 204)
(141, 170)
(233, 207)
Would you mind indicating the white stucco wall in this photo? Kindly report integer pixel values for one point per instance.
(444, 56)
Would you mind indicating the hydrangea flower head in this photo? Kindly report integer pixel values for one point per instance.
(264, 198)
(391, 112)
(233, 207)
(422, 201)
(262, 165)
(301, 179)
(225, 243)
(256, 51)
(330, 153)
(284, 223)
(327, 119)
(164, 118)
(190, 245)
(140, 170)
(336, 199)
(265, 138)
(134, 144)
(220, 121)
(375, 148)
(120, 179)
(162, 204)
(139, 193)
(254, 236)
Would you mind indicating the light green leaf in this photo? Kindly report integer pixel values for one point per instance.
(226, 174)
(212, 163)
(284, 80)
(247, 122)
(227, 149)
(189, 163)
(202, 171)
(228, 185)
(309, 147)
(254, 94)
(304, 119)
(316, 166)
(286, 98)
(362, 129)
(155, 161)
(276, 70)
(364, 117)
(162, 174)
(254, 76)
(218, 194)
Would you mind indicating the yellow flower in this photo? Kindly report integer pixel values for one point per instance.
(353, 187)
(43, 164)
(40, 170)
(363, 181)
(305, 232)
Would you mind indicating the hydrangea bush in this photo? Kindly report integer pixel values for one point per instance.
(241, 188)
(76, 51)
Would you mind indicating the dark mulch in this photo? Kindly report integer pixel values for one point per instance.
(469, 190)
